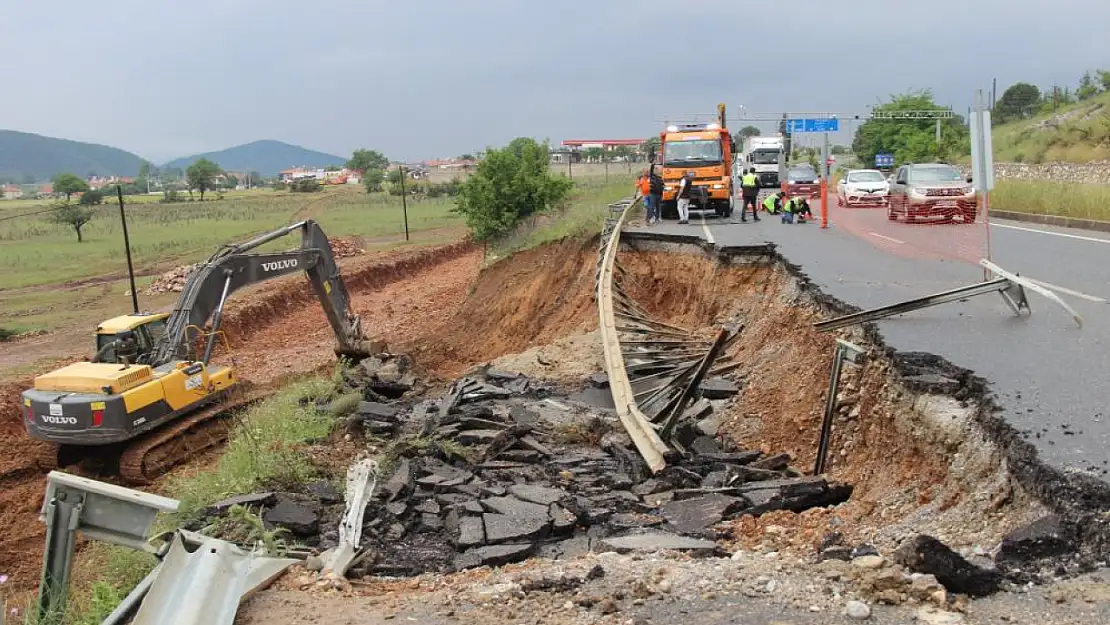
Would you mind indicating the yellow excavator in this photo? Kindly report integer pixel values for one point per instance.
(148, 399)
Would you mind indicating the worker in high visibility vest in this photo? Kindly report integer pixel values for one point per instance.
(773, 203)
(749, 183)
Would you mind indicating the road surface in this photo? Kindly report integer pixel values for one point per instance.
(1050, 377)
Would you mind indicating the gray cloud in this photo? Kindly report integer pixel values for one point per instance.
(426, 78)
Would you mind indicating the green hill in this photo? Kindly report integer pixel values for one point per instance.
(267, 157)
(26, 154)
(1078, 133)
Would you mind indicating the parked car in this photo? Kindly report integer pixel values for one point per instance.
(803, 173)
(862, 187)
(931, 192)
(802, 179)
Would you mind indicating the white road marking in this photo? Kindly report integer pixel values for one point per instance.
(1067, 291)
(1055, 234)
(705, 229)
(876, 234)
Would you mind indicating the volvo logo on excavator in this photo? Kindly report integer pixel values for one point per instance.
(59, 420)
(279, 264)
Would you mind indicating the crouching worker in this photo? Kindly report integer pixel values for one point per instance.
(800, 209)
(773, 203)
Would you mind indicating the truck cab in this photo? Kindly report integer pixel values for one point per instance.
(705, 150)
(763, 153)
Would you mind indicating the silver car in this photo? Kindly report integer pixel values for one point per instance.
(931, 192)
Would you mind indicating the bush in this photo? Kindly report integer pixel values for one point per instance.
(169, 196)
(510, 184)
(372, 180)
(6, 334)
(91, 197)
(306, 185)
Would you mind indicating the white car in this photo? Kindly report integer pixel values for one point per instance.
(863, 187)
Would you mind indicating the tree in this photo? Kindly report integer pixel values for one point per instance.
(744, 133)
(1104, 79)
(1019, 101)
(508, 185)
(91, 197)
(911, 140)
(372, 179)
(364, 160)
(142, 180)
(201, 176)
(1087, 87)
(651, 146)
(465, 157)
(332, 168)
(394, 176)
(837, 150)
(69, 184)
(73, 215)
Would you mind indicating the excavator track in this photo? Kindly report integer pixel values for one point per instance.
(152, 455)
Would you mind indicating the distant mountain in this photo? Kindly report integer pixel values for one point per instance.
(267, 157)
(23, 154)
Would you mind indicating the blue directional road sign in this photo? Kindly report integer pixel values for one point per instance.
(884, 159)
(831, 124)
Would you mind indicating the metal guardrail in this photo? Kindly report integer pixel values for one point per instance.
(644, 436)
(656, 371)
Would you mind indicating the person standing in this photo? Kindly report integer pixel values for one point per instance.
(685, 186)
(655, 189)
(643, 190)
(749, 184)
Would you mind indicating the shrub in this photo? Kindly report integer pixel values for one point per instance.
(306, 185)
(509, 184)
(91, 197)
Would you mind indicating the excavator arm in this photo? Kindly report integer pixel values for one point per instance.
(233, 267)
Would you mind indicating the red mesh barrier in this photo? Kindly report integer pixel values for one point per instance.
(938, 222)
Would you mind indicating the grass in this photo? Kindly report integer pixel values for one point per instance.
(264, 451)
(264, 448)
(1066, 199)
(1080, 134)
(35, 252)
(583, 214)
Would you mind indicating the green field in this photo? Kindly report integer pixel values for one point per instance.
(35, 252)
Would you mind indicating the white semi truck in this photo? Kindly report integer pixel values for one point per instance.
(763, 154)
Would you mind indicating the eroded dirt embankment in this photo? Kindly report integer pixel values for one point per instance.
(919, 462)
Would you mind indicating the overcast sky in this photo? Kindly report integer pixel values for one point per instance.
(421, 79)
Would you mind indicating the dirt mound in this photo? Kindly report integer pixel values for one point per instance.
(345, 248)
(173, 281)
(525, 300)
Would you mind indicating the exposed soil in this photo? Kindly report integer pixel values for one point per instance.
(274, 331)
(916, 461)
(915, 456)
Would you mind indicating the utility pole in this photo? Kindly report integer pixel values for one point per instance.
(127, 249)
(404, 201)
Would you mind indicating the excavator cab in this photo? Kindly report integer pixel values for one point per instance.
(147, 328)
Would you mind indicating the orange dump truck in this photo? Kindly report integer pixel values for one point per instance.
(707, 151)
